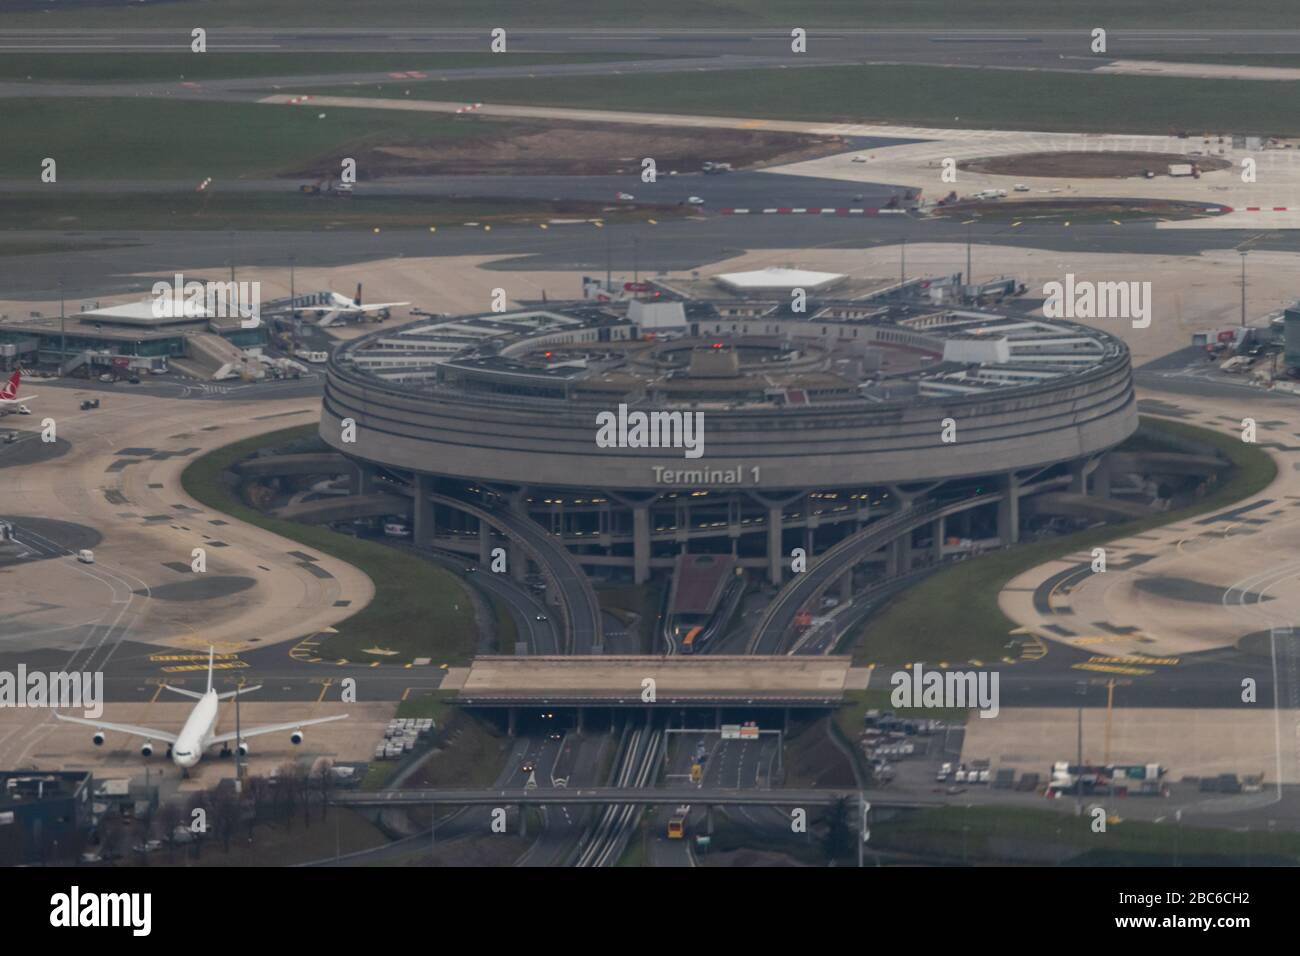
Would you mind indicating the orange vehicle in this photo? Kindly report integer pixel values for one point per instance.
(688, 642)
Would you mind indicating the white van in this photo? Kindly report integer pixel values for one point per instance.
(86, 556)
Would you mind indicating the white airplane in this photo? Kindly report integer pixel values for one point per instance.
(341, 307)
(199, 733)
(10, 400)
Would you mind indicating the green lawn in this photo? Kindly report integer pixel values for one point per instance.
(419, 609)
(195, 67)
(267, 211)
(954, 614)
(675, 14)
(40, 247)
(149, 139)
(916, 95)
(1002, 834)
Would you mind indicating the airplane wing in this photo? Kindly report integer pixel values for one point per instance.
(378, 306)
(275, 728)
(147, 732)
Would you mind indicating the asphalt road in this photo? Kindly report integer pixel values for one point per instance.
(673, 245)
(744, 189)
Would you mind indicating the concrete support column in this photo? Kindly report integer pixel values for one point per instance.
(1078, 477)
(774, 556)
(422, 511)
(904, 544)
(846, 589)
(516, 562)
(939, 531)
(1009, 510)
(512, 720)
(1101, 480)
(484, 543)
(582, 720)
(362, 479)
(641, 543)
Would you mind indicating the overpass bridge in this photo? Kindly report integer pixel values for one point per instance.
(626, 796)
(275, 466)
(342, 508)
(636, 681)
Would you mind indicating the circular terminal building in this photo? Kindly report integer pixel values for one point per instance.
(634, 432)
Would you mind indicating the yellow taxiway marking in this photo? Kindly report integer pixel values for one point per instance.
(157, 693)
(219, 665)
(324, 689)
(406, 693)
(1112, 669)
(191, 657)
(1035, 651)
(1136, 659)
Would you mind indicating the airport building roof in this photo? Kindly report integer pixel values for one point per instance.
(777, 279)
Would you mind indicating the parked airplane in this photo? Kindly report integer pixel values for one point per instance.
(10, 400)
(341, 307)
(199, 733)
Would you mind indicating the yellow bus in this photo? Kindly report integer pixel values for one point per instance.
(677, 823)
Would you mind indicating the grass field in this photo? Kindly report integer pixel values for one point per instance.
(147, 139)
(40, 247)
(914, 95)
(1018, 834)
(672, 14)
(954, 614)
(285, 211)
(132, 67)
(419, 609)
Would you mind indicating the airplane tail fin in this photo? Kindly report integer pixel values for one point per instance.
(11, 389)
(212, 656)
(357, 300)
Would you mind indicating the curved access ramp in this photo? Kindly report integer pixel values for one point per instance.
(807, 587)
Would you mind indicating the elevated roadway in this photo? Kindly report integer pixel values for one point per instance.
(805, 588)
(644, 681)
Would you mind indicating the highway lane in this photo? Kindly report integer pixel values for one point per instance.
(540, 636)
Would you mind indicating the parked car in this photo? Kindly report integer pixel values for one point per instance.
(86, 556)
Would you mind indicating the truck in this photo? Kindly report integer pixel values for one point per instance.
(991, 194)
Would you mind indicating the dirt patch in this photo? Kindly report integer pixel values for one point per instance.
(1079, 210)
(1103, 165)
(513, 148)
